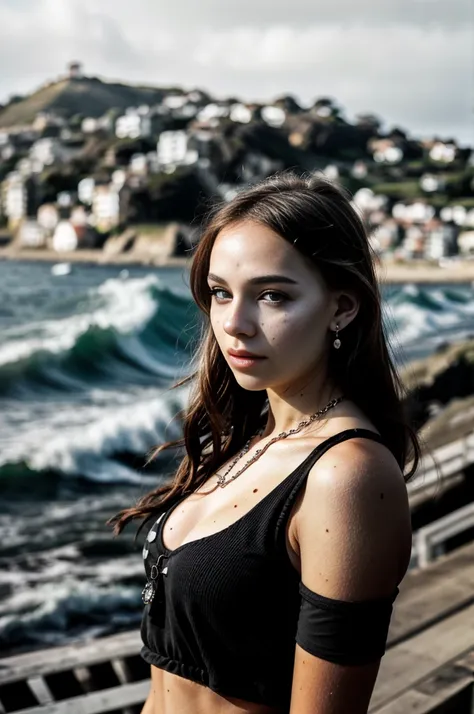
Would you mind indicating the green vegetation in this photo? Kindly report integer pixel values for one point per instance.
(88, 97)
(399, 189)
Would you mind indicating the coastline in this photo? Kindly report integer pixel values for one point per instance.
(388, 272)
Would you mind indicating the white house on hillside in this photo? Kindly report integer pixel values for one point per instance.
(65, 237)
(443, 152)
(47, 151)
(106, 207)
(273, 116)
(213, 111)
(173, 149)
(133, 125)
(48, 217)
(85, 190)
(15, 198)
(240, 113)
(31, 235)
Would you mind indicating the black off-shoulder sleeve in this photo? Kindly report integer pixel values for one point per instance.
(346, 633)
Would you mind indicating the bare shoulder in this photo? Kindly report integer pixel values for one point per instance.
(353, 527)
(361, 465)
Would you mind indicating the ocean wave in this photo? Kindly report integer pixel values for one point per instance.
(125, 331)
(71, 606)
(92, 441)
(420, 318)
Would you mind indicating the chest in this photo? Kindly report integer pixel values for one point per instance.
(213, 509)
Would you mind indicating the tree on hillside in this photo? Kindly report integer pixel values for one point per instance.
(288, 103)
(369, 121)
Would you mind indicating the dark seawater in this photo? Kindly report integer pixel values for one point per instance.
(86, 364)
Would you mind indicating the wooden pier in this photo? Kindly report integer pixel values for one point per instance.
(428, 667)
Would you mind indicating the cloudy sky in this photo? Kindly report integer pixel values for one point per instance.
(409, 61)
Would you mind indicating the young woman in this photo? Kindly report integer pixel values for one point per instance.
(277, 550)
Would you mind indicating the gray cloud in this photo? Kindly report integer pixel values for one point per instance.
(410, 61)
(303, 12)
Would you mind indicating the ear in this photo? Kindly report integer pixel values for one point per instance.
(346, 305)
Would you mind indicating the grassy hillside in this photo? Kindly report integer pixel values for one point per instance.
(88, 96)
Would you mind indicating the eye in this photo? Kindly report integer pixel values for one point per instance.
(275, 297)
(218, 293)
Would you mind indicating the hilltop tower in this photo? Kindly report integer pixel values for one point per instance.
(75, 70)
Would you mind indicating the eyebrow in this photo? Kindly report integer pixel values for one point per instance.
(260, 280)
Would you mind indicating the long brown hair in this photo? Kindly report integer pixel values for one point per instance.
(318, 218)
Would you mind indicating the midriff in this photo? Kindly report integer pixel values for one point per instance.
(173, 694)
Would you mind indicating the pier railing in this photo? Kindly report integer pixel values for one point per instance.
(446, 462)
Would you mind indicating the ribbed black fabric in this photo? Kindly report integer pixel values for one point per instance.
(228, 613)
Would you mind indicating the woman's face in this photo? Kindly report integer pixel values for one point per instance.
(269, 301)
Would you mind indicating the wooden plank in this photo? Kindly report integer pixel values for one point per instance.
(414, 702)
(41, 690)
(58, 659)
(415, 659)
(97, 702)
(428, 595)
(447, 685)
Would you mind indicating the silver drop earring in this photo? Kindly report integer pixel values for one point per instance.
(337, 341)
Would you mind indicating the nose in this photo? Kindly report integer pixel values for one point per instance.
(239, 321)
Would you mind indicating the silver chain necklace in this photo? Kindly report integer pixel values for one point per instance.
(221, 478)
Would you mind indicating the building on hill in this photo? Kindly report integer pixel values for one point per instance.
(85, 190)
(70, 236)
(443, 152)
(273, 116)
(31, 235)
(133, 125)
(75, 70)
(47, 151)
(139, 123)
(240, 113)
(48, 217)
(441, 240)
(173, 149)
(47, 120)
(18, 198)
(109, 206)
(385, 151)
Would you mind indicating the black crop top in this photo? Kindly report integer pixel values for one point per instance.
(230, 606)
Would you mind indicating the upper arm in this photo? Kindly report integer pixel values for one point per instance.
(354, 537)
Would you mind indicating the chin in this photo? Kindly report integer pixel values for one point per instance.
(251, 384)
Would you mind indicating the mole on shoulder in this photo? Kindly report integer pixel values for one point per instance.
(255, 490)
(327, 530)
(235, 505)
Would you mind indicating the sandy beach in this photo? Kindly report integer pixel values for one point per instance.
(389, 272)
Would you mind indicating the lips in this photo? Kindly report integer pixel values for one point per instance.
(243, 354)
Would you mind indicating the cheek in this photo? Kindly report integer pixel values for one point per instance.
(297, 327)
(217, 328)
